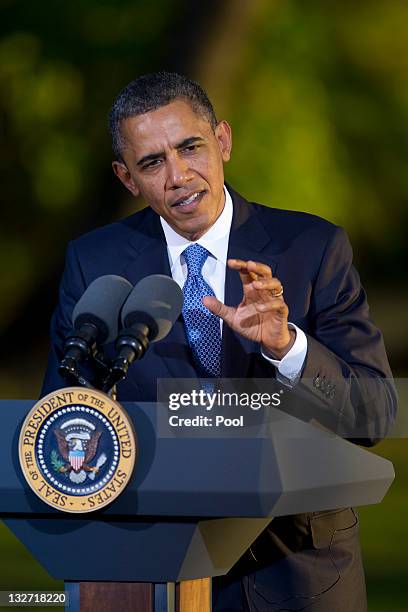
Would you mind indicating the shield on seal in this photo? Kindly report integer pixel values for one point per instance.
(77, 433)
(76, 459)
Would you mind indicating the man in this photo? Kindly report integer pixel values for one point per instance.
(234, 260)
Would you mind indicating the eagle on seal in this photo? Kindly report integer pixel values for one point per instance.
(75, 444)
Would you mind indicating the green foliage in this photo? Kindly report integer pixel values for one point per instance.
(384, 531)
(320, 115)
(56, 462)
(60, 69)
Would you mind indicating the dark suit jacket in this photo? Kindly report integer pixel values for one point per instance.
(346, 376)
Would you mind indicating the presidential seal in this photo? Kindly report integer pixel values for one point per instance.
(77, 449)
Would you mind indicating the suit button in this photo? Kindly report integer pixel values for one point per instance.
(331, 394)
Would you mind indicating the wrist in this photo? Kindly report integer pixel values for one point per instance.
(279, 352)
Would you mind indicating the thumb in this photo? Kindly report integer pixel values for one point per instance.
(218, 308)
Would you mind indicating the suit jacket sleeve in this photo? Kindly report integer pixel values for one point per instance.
(346, 370)
(71, 288)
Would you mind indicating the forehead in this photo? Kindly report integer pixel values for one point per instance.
(164, 127)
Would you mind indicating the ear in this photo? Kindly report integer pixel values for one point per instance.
(123, 174)
(223, 135)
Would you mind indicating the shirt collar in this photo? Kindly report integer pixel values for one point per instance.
(215, 240)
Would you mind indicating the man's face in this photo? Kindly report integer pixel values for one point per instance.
(174, 160)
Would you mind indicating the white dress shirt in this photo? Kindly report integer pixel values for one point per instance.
(215, 240)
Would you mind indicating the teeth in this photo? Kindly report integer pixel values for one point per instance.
(190, 199)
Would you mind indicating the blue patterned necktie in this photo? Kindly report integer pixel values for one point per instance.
(202, 327)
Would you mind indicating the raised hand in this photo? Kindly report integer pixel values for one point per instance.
(263, 314)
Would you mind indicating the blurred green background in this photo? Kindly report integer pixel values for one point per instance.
(317, 96)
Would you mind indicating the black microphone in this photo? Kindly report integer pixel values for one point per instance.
(95, 320)
(147, 316)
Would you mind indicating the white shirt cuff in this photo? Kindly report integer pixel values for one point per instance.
(290, 366)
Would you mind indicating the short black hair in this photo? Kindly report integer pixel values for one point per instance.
(151, 91)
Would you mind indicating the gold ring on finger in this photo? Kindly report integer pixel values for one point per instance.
(277, 293)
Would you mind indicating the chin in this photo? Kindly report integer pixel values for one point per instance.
(195, 229)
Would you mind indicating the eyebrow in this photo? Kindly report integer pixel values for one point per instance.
(184, 143)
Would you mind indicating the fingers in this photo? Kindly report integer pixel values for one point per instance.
(276, 305)
(273, 285)
(250, 270)
(258, 276)
(241, 266)
(218, 308)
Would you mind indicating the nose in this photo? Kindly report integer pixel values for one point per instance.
(178, 172)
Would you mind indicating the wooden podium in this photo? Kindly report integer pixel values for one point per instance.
(186, 596)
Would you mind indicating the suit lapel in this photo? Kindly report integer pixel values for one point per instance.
(150, 257)
(248, 239)
(149, 253)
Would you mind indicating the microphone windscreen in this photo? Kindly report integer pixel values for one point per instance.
(156, 300)
(100, 304)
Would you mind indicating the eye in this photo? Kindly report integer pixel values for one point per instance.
(191, 148)
(153, 164)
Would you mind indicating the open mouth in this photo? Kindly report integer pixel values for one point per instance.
(190, 202)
